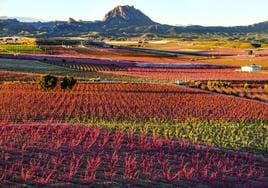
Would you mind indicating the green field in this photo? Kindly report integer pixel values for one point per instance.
(247, 136)
(14, 49)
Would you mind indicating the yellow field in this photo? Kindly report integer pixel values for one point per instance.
(212, 45)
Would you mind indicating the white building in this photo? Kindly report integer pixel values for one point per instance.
(10, 39)
(251, 68)
(181, 82)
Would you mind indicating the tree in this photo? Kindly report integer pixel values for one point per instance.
(47, 82)
(250, 52)
(256, 44)
(68, 83)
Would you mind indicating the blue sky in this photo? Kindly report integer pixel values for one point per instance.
(175, 12)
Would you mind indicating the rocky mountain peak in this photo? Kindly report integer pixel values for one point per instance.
(127, 15)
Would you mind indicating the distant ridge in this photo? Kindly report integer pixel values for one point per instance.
(122, 21)
(22, 19)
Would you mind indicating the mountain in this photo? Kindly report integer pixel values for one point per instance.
(126, 15)
(72, 21)
(122, 21)
(22, 19)
(11, 27)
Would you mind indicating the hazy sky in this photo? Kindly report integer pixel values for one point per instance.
(175, 12)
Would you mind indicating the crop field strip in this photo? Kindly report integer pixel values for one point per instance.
(86, 66)
(24, 49)
(52, 154)
(192, 74)
(112, 54)
(6, 76)
(30, 66)
(116, 101)
(239, 61)
(242, 136)
(19, 66)
(255, 91)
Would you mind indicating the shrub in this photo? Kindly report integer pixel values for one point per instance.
(68, 83)
(209, 84)
(228, 84)
(203, 86)
(212, 84)
(47, 82)
(246, 86)
(197, 84)
(250, 52)
(256, 44)
(242, 94)
(265, 87)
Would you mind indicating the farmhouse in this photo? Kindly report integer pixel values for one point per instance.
(181, 82)
(251, 68)
(10, 39)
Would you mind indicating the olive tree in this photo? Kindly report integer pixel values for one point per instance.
(68, 83)
(47, 82)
